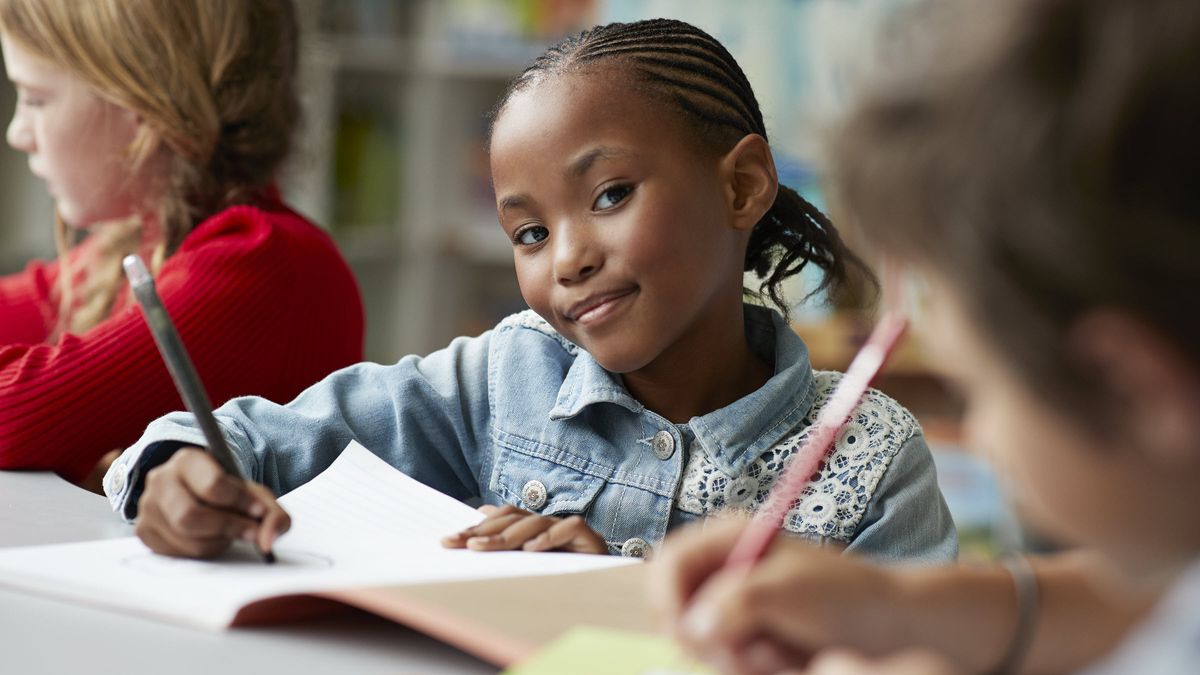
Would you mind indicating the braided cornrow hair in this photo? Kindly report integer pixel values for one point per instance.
(691, 70)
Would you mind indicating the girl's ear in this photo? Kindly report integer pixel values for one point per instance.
(1152, 380)
(748, 172)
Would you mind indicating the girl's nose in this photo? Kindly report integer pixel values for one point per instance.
(576, 255)
(20, 134)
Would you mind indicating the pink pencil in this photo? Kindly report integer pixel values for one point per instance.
(752, 545)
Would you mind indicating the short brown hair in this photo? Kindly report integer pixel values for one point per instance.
(1044, 162)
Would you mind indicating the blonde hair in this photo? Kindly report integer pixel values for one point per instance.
(213, 82)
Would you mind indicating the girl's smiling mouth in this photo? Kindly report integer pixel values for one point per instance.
(598, 306)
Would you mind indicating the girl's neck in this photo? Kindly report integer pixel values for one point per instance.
(706, 370)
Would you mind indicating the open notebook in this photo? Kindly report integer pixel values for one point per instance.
(363, 534)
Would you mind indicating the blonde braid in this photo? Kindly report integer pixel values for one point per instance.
(213, 82)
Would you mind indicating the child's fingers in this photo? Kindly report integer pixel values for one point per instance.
(205, 479)
(498, 518)
(908, 662)
(493, 512)
(494, 525)
(725, 613)
(686, 561)
(456, 540)
(518, 532)
(177, 523)
(497, 524)
(275, 521)
(188, 518)
(190, 507)
(571, 534)
(154, 530)
(508, 527)
(762, 656)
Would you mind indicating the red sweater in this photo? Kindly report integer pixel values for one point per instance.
(261, 298)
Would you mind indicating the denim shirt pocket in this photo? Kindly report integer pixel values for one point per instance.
(541, 478)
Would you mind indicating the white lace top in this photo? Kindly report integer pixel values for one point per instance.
(832, 505)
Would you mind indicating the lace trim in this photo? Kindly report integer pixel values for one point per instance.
(834, 502)
(530, 319)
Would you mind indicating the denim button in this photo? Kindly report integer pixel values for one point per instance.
(534, 494)
(635, 547)
(663, 444)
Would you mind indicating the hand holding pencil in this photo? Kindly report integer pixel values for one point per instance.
(798, 600)
(193, 508)
(197, 503)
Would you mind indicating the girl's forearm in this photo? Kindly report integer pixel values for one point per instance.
(1085, 610)
(970, 613)
(967, 613)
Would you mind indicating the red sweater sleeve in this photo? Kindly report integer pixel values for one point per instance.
(264, 304)
(26, 310)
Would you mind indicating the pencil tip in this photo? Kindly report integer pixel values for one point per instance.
(269, 558)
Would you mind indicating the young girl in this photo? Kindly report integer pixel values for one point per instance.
(1040, 175)
(159, 128)
(634, 180)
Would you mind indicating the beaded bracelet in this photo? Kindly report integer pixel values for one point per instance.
(1026, 585)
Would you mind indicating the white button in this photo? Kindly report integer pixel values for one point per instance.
(663, 445)
(534, 495)
(635, 547)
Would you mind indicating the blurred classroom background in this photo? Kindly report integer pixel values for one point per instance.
(391, 159)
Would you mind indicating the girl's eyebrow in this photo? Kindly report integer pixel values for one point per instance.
(512, 202)
(575, 169)
(580, 165)
(22, 85)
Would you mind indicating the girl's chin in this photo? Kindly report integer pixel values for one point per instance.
(84, 223)
(71, 217)
(619, 361)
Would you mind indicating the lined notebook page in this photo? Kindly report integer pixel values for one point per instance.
(359, 523)
(360, 500)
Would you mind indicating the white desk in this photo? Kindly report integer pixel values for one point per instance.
(40, 635)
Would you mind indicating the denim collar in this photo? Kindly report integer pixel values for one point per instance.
(734, 435)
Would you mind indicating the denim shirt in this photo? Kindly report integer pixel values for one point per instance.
(521, 415)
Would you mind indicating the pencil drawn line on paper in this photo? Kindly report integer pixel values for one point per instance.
(237, 559)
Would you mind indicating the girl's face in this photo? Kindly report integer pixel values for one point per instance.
(620, 226)
(1067, 478)
(76, 141)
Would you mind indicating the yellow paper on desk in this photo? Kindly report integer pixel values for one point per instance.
(589, 650)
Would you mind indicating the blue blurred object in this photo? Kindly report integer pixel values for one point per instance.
(987, 525)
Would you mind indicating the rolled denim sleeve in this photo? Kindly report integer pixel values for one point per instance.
(427, 416)
(907, 520)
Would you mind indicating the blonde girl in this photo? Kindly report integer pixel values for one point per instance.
(159, 127)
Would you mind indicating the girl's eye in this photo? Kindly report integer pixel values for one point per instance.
(611, 197)
(531, 235)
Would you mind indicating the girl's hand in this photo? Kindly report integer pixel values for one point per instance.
(507, 528)
(794, 603)
(192, 508)
(911, 662)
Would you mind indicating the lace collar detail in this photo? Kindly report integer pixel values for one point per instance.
(834, 502)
